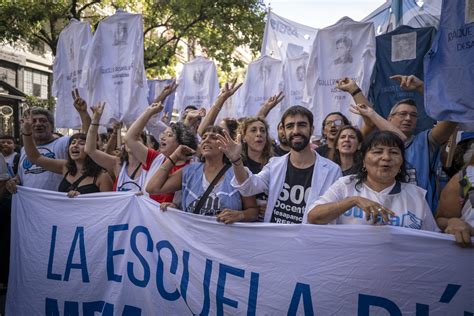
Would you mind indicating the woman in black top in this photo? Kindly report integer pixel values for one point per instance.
(257, 149)
(81, 174)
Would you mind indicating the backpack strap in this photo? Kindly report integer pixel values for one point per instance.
(211, 186)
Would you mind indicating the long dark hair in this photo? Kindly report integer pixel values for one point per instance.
(267, 150)
(357, 154)
(91, 169)
(384, 138)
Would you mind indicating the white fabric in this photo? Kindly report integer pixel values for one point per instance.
(264, 79)
(113, 68)
(272, 177)
(294, 71)
(67, 71)
(283, 37)
(198, 84)
(327, 64)
(253, 269)
(409, 205)
(33, 176)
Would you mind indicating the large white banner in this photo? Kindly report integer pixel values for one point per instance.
(117, 254)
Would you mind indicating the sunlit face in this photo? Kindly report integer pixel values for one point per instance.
(42, 128)
(332, 125)
(383, 163)
(298, 131)
(76, 149)
(256, 136)
(404, 118)
(347, 144)
(7, 146)
(209, 145)
(168, 142)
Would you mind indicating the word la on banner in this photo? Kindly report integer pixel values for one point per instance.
(118, 254)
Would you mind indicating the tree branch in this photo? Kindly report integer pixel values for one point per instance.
(85, 6)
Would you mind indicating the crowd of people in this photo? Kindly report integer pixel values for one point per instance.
(380, 174)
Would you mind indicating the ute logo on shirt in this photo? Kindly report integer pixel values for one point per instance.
(411, 221)
(28, 165)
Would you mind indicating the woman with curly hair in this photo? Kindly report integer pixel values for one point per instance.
(81, 174)
(205, 185)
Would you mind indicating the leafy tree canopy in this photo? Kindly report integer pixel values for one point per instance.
(218, 27)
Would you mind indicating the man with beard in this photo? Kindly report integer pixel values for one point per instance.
(282, 147)
(291, 181)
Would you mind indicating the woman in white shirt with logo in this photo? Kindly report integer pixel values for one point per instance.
(377, 194)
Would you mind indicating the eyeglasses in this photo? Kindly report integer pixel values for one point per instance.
(337, 122)
(404, 114)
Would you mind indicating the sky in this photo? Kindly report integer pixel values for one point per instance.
(322, 13)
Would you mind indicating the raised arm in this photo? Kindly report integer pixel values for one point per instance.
(106, 161)
(382, 124)
(270, 104)
(233, 150)
(156, 127)
(350, 86)
(227, 91)
(132, 138)
(164, 182)
(81, 108)
(50, 164)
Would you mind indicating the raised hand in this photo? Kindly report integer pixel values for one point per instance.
(26, 124)
(274, 100)
(156, 108)
(361, 109)
(79, 103)
(346, 84)
(97, 110)
(229, 89)
(232, 149)
(182, 153)
(408, 83)
(167, 90)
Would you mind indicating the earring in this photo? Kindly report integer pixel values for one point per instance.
(363, 169)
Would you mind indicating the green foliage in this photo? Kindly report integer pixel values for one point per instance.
(218, 27)
(33, 101)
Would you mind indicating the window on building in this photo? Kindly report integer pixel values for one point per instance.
(35, 83)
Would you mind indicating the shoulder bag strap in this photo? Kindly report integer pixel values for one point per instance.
(210, 188)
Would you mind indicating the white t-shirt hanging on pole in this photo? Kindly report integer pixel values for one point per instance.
(294, 71)
(198, 84)
(264, 79)
(67, 71)
(114, 69)
(345, 49)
